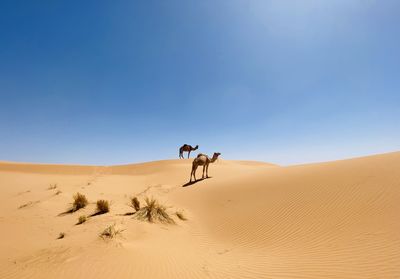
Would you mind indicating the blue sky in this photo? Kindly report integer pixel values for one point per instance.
(110, 82)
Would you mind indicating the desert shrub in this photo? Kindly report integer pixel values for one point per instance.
(110, 232)
(80, 201)
(154, 212)
(102, 206)
(61, 235)
(180, 215)
(52, 187)
(135, 203)
(82, 219)
(58, 192)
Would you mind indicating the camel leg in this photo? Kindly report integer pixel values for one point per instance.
(207, 171)
(188, 154)
(204, 167)
(193, 173)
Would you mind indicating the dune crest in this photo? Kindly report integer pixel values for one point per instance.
(249, 220)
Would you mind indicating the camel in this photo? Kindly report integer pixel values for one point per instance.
(186, 148)
(202, 160)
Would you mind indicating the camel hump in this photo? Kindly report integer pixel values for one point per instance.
(200, 154)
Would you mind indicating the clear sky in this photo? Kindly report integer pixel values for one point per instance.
(109, 82)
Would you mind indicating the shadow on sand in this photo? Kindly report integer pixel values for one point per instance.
(190, 183)
(69, 211)
(127, 214)
(97, 213)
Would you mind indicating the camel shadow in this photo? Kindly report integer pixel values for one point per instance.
(190, 183)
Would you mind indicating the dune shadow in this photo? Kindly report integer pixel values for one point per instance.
(190, 183)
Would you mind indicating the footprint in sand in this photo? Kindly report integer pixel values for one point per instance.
(28, 204)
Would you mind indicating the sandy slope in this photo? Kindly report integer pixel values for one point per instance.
(250, 220)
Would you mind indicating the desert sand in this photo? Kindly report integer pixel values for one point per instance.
(249, 220)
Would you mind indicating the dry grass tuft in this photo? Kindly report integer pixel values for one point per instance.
(58, 192)
(61, 235)
(110, 232)
(180, 215)
(154, 212)
(80, 201)
(82, 219)
(102, 206)
(135, 203)
(52, 186)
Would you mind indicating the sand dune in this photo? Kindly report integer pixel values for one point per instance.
(250, 220)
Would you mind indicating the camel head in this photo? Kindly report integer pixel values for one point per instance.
(196, 147)
(215, 156)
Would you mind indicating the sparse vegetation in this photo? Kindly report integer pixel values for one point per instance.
(58, 192)
(80, 201)
(102, 206)
(82, 219)
(135, 203)
(52, 186)
(110, 232)
(154, 212)
(61, 235)
(180, 215)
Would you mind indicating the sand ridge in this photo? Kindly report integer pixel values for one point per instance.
(249, 220)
